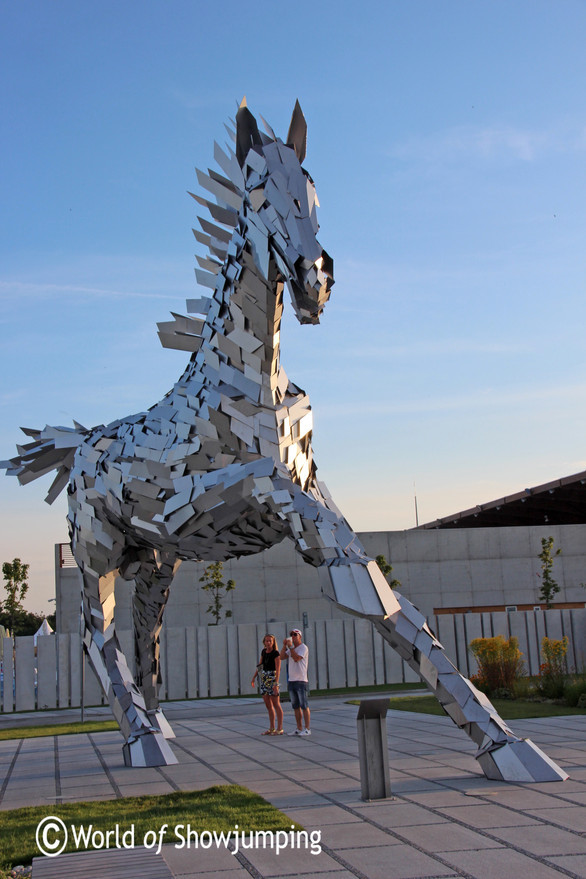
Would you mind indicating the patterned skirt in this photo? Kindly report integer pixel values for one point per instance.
(267, 682)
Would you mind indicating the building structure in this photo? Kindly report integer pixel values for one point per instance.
(451, 569)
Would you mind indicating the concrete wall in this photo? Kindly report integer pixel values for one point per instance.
(479, 567)
(473, 567)
(202, 661)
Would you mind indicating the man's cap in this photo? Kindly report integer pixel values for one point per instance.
(296, 632)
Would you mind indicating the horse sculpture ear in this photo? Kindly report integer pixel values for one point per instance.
(297, 135)
(247, 133)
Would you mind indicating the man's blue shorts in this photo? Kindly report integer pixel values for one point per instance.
(298, 694)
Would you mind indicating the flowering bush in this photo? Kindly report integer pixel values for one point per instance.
(500, 663)
(553, 670)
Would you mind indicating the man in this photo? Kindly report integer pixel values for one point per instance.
(297, 655)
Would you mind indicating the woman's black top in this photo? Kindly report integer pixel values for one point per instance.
(268, 659)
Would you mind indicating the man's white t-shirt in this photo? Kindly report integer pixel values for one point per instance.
(297, 671)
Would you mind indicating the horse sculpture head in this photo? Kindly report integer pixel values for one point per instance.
(280, 211)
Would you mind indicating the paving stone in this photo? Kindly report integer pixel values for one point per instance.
(290, 862)
(139, 790)
(528, 800)
(447, 837)
(500, 863)
(398, 861)
(358, 834)
(435, 799)
(296, 799)
(340, 873)
(572, 817)
(540, 839)
(486, 817)
(187, 860)
(399, 814)
(576, 864)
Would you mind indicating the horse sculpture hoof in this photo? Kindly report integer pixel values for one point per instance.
(149, 749)
(158, 720)
(518, 761)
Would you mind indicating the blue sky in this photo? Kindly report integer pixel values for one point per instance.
(447, 140)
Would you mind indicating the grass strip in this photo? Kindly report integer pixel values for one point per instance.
(220, 808)
(369, 688)
(57, 729)
(508, 709)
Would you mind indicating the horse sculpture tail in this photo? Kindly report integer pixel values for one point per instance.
(52, 448)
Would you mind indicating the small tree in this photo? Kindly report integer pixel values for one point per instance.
(214, 583)
(387, 570)
(549, 587)
(15, 574)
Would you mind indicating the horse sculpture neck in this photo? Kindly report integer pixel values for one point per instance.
(237, 344)
(240, 336)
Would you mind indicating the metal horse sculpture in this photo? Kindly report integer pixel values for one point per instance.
(222, 466)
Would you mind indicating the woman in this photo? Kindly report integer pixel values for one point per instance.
(269, 669)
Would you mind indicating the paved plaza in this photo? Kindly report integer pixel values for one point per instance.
(444, 818)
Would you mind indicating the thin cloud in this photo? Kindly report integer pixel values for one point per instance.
(29, 288)
(489, 143)
(444, 347)
(488, 398)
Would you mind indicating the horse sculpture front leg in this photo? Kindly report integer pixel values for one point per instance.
(355, 584)
(145, 744)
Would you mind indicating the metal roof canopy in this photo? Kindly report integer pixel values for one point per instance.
(562, 502)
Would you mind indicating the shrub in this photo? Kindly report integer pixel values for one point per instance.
(524, 688)
(500, 663)
(553, 670)
(575, 691)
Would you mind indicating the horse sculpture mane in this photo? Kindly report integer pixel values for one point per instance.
(222, 466)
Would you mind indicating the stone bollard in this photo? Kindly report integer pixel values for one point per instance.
(372, 749)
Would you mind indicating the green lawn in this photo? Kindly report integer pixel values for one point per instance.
(218, 809)
(57, 729)
(507, 708)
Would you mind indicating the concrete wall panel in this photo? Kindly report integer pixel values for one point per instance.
(191, 662)
(8, 674)
(218, 660)
(336, 653)
(63, 671)
(47, 672)
(24, 679)
(350, 652)
(176, 666)
(531, 657)
(364, 653)
(203, 662)
(446, 632)
(93, 694)
(249, 650)
(553, 624)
